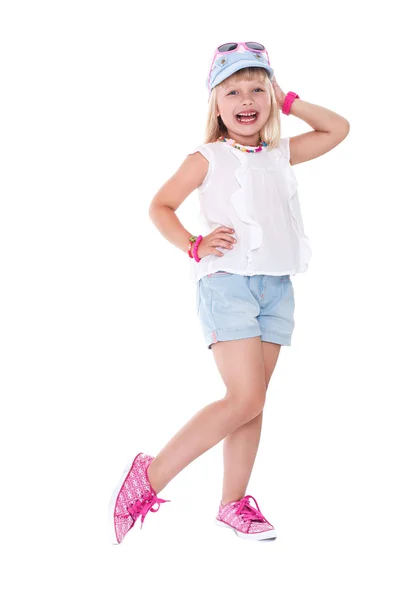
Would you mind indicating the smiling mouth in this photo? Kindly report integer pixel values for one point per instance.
(247, 117)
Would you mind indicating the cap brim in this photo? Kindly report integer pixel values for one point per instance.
(236, 66)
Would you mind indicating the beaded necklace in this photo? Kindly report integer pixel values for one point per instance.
(240, 146)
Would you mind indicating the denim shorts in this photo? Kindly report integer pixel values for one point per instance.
(233, 307)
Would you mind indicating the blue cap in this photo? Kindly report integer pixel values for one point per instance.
(225, 65)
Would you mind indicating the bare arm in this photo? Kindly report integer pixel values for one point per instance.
(330, 130)
(162, 209)
(188, 177)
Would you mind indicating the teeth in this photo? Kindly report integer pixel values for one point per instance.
(246, 114)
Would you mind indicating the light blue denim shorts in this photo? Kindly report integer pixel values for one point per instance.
(233, 307)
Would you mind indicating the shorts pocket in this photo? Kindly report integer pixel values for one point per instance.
(219, 274)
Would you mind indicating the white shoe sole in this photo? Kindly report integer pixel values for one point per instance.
(264, 535)
(113, 500)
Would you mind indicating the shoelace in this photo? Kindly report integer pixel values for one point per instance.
(142, 506)
(248, 512)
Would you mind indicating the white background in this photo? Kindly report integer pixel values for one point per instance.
(102, 355)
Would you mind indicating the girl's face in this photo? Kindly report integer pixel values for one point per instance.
(248, 97)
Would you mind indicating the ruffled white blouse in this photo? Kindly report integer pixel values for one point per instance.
(254, 193)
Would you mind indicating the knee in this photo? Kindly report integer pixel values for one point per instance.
(248, 405)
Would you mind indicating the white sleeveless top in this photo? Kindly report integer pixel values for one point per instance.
(254, 193)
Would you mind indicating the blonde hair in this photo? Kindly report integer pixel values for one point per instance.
(269, 133)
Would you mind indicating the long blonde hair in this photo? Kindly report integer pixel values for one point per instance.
(270, 133)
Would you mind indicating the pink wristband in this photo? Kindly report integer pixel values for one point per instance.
(290, 96)
(194, 248)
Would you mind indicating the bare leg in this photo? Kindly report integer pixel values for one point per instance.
(240, 446)
(240, 449)
(241, 365)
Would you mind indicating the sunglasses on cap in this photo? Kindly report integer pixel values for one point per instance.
(231, 46)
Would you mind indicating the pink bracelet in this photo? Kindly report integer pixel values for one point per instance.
(290, 96)
(194, 248)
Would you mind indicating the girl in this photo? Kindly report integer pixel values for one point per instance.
(254, 241)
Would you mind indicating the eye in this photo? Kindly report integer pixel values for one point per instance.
(261, 90)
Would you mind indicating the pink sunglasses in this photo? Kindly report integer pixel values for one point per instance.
(233, 47)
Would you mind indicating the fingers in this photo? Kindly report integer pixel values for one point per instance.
(221, 242)
(223, 228)
(217, 238)
(221, 238)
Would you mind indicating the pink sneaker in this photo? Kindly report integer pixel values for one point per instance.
(245, 520)
(132, 498)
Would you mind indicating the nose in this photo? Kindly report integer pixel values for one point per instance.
(247, 96)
